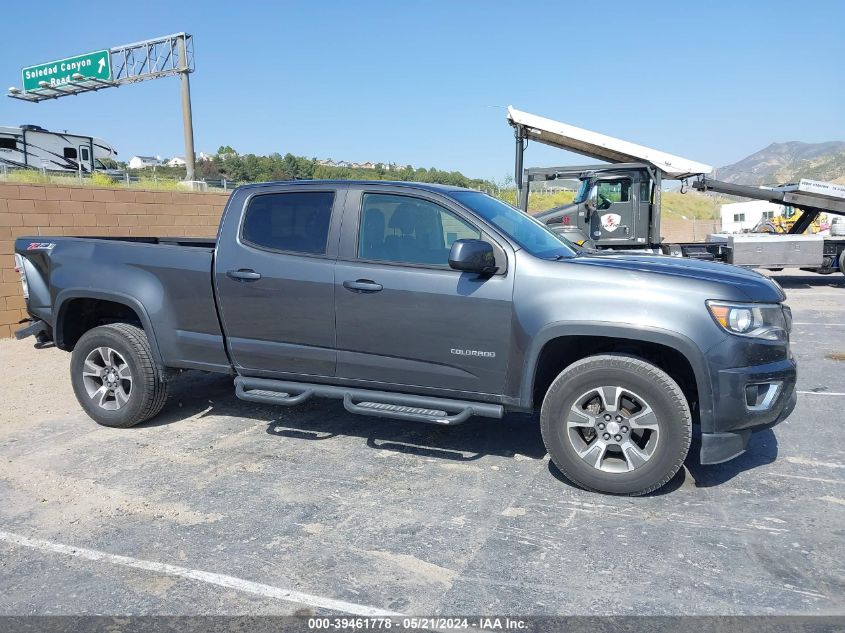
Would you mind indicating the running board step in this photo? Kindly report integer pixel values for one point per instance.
(383, 404)
(396, 408)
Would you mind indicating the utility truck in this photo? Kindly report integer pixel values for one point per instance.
(618, 205)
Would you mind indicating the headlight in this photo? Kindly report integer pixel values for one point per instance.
(759, 320)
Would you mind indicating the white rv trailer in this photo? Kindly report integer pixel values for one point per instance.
(33, 147)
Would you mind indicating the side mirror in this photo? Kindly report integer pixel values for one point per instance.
(472, 256)
(591, 203)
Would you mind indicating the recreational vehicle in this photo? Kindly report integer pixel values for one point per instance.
(33, 147)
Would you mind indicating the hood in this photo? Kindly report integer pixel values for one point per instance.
(737, 283)
(555, 213)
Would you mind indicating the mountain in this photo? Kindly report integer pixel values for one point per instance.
(782, 163)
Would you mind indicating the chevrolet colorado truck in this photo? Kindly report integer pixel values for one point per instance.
(425, 303)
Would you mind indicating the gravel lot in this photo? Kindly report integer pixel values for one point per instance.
(403, 517)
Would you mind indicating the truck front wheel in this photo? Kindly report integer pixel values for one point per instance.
(114, 376)
(616, 424)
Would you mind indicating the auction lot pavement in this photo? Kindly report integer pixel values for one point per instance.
(290, 509)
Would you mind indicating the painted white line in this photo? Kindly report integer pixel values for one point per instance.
(830, 499)
(819, 324)
(819, 479)
(822, 393)
(816, 293)
(221, 580)
(812, 462)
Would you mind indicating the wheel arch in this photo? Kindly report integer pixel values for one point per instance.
(65, 339)
(587, 339)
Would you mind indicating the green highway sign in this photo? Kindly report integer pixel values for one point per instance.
(96, 65)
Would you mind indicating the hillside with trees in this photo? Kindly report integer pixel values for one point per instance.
(231, 165)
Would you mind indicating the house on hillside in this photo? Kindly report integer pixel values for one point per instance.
(145, 162)
(176, 161)
(328, 162)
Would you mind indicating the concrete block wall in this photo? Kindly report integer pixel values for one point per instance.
(43, 210)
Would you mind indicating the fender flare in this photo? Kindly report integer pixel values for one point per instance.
(68, 294)
(668, 338)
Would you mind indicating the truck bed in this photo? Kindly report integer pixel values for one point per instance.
(166, 282)
(200, 242)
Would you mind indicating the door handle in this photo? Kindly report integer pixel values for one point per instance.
(362, 285)
(243, 274)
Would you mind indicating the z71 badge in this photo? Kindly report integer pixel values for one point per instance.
(40, 246)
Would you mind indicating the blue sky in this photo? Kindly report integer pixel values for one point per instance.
(426, 83)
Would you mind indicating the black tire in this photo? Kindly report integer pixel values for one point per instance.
(146, 389)
(842, 262)
(671, 422)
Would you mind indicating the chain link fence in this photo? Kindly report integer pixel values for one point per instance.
(107, 178)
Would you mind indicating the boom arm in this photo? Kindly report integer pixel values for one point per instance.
(799, 199)
(811, 204)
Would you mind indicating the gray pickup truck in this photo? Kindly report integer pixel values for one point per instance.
(431, 304)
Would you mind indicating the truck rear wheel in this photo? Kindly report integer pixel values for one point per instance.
(114, 376)
(616, 424)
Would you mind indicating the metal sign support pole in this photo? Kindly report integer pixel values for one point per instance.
(518, 176)
(187, 118)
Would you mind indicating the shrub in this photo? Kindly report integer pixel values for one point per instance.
(102, 180)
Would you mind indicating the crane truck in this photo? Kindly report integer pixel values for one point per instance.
(618, 204)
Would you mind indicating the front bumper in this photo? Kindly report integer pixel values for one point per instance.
(748, 399)
(721, 447)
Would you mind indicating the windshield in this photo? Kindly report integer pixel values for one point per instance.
(583, 190)
(530, 234)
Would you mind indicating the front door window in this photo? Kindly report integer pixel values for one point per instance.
(409, 230)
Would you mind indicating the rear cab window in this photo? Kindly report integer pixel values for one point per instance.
(293, 222)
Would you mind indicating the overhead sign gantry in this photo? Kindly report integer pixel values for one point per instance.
(114, 67)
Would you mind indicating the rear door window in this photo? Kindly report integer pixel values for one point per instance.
(295, 222)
